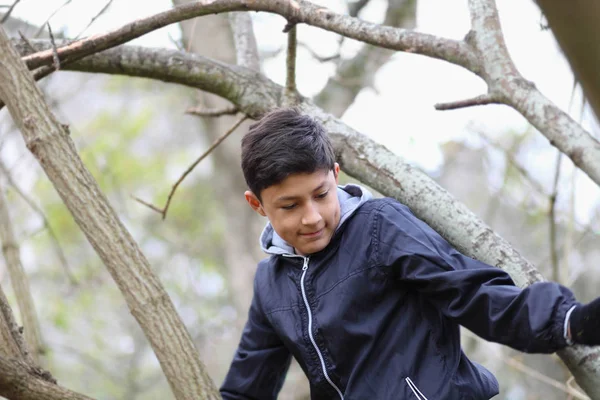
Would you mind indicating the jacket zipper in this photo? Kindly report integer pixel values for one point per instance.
(310, 334)
(415, 389)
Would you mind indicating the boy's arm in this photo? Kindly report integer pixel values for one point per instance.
(482, 298)
(260, 363)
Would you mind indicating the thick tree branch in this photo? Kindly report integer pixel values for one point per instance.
(508, 86)
(147, 300)
(19, 281)
(245, 41)
(299, 11)
(19, 381)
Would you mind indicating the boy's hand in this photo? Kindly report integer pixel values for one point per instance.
(584, 324)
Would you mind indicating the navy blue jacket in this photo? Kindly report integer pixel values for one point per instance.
(376, 315)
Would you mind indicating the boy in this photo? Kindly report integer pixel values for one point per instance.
(367, 297)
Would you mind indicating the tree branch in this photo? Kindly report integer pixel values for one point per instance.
(6, 15)
(245, 40)
(20, 282)
(301, 12)
(484, 99)
(98, 15)
(19, 381)
(552, 221)
(290, 81)
(507, 85)
(163, 211)
(147, 300)
(59, 251)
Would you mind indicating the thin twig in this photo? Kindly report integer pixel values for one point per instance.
(552, 221)
(515, 164)
(317, 57)
(46, 223)
(212, 112)
(102, 11)
(56, 61)
(482, 100)
(290, 83)
(163, 211)
(192, 35)
(10, 10)
(41, 29)
(27, 42)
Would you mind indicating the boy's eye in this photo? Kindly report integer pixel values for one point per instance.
(289, 207)
(323, 195)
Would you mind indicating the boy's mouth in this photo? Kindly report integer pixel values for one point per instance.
(312, 234)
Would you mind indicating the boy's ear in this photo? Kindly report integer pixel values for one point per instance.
(336, 172)
(254, 202)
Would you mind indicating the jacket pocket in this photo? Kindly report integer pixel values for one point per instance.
(418, 394)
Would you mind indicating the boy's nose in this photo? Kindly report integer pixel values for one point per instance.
(311, 216)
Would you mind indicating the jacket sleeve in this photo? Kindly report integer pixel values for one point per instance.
(482, 298)
(261, 361)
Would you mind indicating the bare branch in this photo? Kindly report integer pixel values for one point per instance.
(18, 380)
(41, 29)
(552, 221)
(211, 112)
(102, 11)
(46, 224)
(20, 282)
(163, 211)
(290, 81)
(11, 337)
(316, 56)
(516, 165)
(26, 41)
(56, 60)
(9, 11)
(507, 85)
(484, 99)
(245, 41)
(301, 12)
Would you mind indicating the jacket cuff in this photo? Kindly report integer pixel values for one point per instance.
(566, 327)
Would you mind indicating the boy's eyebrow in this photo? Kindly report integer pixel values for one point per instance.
(287, 198)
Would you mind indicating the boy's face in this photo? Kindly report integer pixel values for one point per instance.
(303, 209)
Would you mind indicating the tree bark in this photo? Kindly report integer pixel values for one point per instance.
(19, 381)
(149, 303)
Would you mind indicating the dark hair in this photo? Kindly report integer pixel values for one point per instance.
(282, 143)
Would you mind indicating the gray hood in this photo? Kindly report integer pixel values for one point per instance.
(350, 197)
